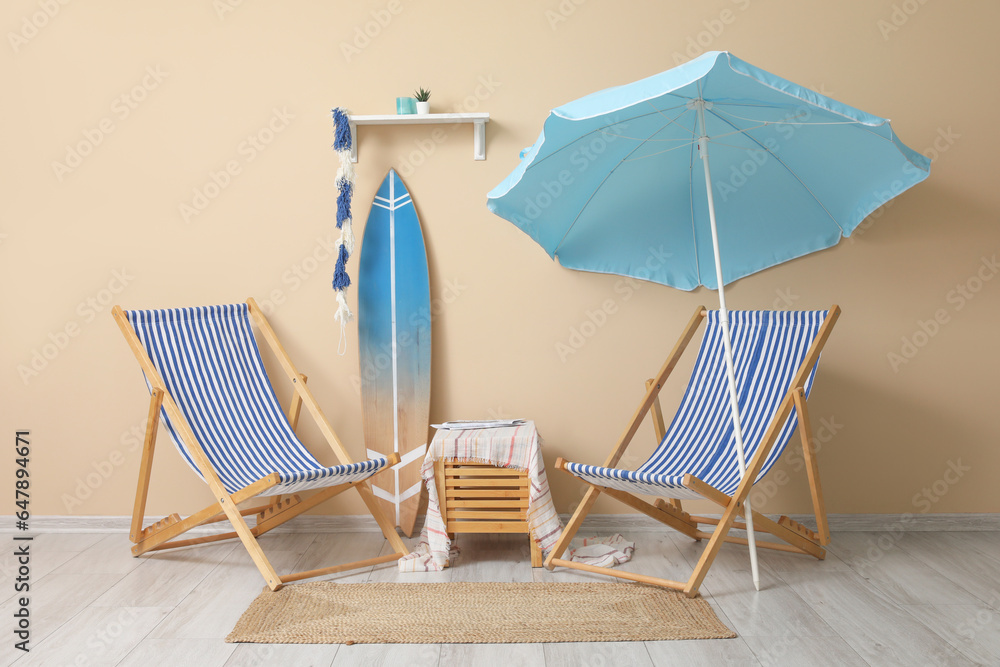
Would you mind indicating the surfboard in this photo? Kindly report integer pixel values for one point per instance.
(394, 344)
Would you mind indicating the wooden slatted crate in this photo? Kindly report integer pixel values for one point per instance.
(481, 498)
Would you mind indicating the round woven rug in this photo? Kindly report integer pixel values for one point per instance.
(390, 613)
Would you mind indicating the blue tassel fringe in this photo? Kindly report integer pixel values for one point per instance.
(342, 130)
(340, 278)
(344, 201)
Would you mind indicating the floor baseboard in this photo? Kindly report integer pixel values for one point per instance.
(595, 523)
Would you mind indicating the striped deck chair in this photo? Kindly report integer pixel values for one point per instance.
(776, 355)
(208, 386)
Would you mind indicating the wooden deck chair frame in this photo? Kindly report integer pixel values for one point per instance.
(161, 534)
(797, 537)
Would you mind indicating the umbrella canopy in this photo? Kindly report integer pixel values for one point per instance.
(614, 183)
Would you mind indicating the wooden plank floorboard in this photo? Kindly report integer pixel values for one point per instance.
(48, 553)
(972, 629)
(492, 557)
(110, 555)
(330, 549)
(493, 655)
(597, 654)
(775, 611)
(388, 655)
(812, 651)
(212, 608)
(955, 557)
(176, 607)
(875, 627)
(96, 636)
(55, 600)
(292, 655)
(903, 578)
(171, 653)
(703, 653)
(164, 579)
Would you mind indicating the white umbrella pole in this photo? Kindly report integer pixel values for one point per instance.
(727, 343)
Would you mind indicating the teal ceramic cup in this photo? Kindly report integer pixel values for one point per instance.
(406, 105)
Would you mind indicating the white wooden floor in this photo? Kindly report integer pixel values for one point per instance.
(918, 598)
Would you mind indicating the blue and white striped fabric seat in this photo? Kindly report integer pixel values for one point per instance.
(768, 348)
(211, 365)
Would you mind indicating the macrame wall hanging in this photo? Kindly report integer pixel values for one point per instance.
(345, 244)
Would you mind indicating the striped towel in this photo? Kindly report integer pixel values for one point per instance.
(604, 551)
(509, 447)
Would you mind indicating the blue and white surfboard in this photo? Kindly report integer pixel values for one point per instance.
(394, 340)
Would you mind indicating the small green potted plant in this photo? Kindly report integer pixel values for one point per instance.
(422, 96)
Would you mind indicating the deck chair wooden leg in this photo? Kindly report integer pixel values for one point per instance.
(589, 498)
(653, 387)
(301, 389)
(812, 467)
(735, 504)
(247, 538)
(222, 497)
(146, 464)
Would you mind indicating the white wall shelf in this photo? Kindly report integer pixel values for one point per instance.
(478, 121)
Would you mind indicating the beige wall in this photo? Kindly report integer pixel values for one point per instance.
(202, 76)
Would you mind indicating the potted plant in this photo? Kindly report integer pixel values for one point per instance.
(421, 95)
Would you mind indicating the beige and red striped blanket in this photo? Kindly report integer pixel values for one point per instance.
(507, 447)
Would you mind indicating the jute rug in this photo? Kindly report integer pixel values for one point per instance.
(474, 613)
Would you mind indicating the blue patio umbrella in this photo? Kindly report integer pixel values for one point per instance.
(613, 184)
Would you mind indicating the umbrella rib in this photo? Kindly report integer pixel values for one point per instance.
(593, 194)
(667, 150)
(791, 120)
(785, 165)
